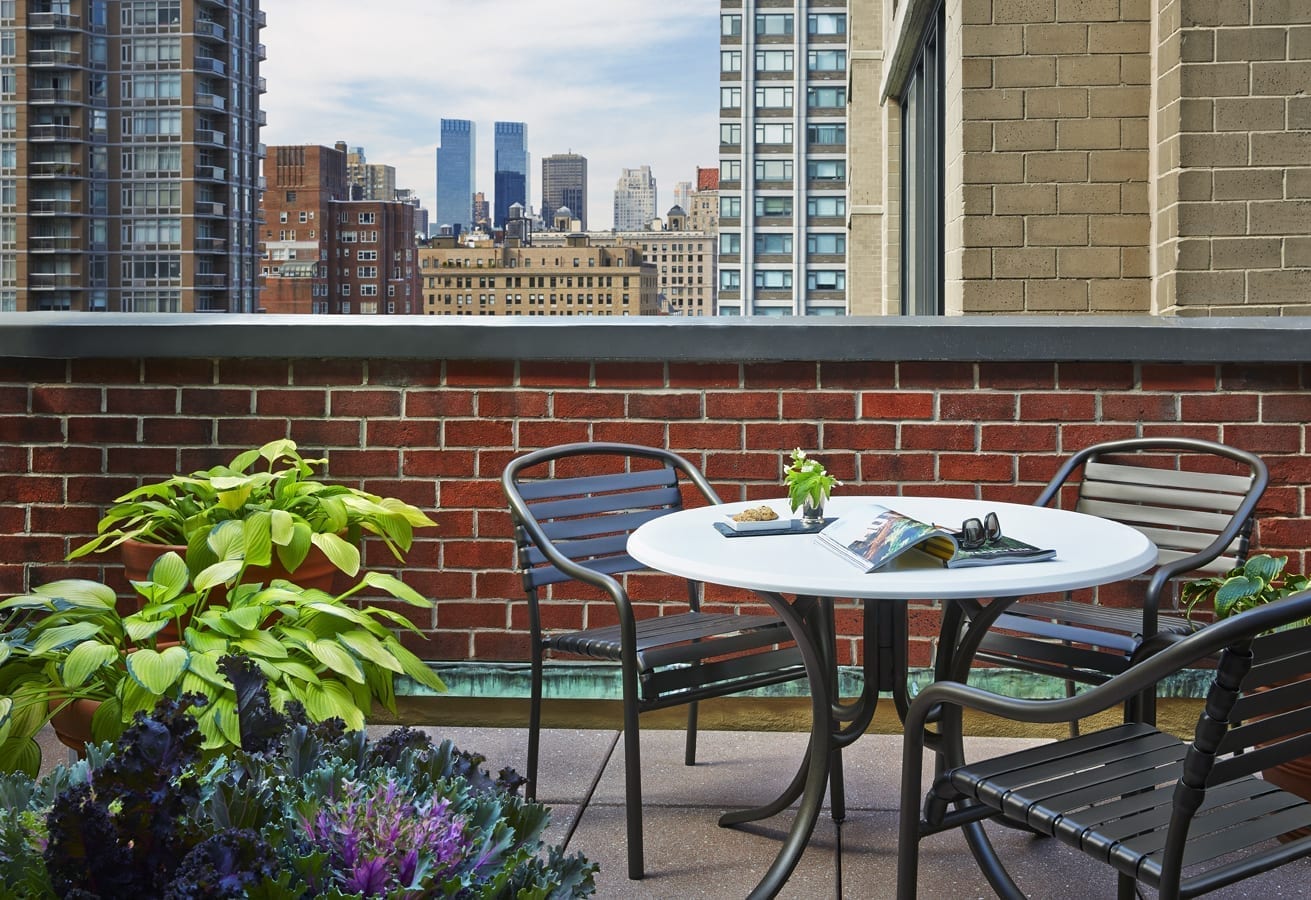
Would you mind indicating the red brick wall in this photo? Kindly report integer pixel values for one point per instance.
(76, 433)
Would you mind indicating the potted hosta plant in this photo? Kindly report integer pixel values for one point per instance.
(278, 497)
(68, 642)
(297, 809)
(1259, 580)
(809, 485)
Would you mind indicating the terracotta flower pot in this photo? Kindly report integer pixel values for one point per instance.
(72, 724)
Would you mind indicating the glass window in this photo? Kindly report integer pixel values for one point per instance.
(826, 97)
(773, 243)
(773, 206)
(730, 25)
(922, 178)
(826, 206)
(821, 244)
(730, 280)
(774, 279)
(730, 132)
(773, 24)
(730, 207)
(831, 134)
(826, 280)
(730, 61)
(773, 98)
(773, 61)
(827, 60)
(826, 170)
(826, 23)
(773, 170)
(730, 242)
(773, 132)
(730, 97)
(730, 169)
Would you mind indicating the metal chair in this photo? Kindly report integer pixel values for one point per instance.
(1195, 499)
(1183, 818)
(573, 508)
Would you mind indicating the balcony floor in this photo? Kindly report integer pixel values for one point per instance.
(689, 856)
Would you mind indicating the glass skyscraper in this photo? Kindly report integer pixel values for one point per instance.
(511, 168)
(455, 167)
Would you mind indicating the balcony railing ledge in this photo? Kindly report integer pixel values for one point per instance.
(854, 339)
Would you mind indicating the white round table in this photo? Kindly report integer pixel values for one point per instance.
(1089, 551)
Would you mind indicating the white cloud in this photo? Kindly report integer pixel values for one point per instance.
(623, 82)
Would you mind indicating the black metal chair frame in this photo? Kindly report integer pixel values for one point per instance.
(576, 529)
(1087, 643)
(1144, 802)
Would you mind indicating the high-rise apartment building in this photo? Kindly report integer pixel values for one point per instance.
(129, 155)
(368, 181)
(455, 174)
(564, 184)
(783, 163)
(635, 199)
(511, 164)
(482, 211)
(703, 208)
(327, 253)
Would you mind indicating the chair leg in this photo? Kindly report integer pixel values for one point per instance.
(534, 724)
(1125, 888)
(1074, 723)
(633, 779)
(689, 749)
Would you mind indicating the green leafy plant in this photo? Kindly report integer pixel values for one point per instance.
(1259, 580)
(276, 494)
(67, 641)
(298, 810)
(807, 480)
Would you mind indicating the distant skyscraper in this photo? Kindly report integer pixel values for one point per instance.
(455, 167)
(683, 195)
(564, 183)
(481, 213)
(635, 199)
(511, 168)
(130, 156)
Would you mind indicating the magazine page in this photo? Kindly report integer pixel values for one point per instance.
(872, 535)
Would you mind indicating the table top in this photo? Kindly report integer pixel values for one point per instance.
(1089, 551)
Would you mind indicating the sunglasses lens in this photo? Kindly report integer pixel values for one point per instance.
(992, 527)
(971, 534)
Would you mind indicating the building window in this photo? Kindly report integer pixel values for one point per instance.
(730, 133)
(730, 25)
(730, 207)
(826, 244)
(773, 243)
(773, 170)
(772, 207)
(730, 242)
(826, 206)
(773, 98)
(366, 218)
(730, 61)
(730, 280)
(773, 24)
(730, 97)
(774, 132)
(922, 177)
(730, 169)
(826, 280)
(773, 60)
(774, 279)
(826, 170)
(826, 23)
(828, 134)
(826, 60)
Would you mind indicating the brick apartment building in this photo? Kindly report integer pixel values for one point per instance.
(573, 278)
(325, 253)
(1079, 156)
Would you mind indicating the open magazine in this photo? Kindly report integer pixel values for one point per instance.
(872, 535)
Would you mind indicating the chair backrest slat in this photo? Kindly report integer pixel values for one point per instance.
(613, 523)
(600, 504)
(1129, 514)
(539, 489)
(1150, 476)
(588, 548)
(541, 576)
(1216, 566)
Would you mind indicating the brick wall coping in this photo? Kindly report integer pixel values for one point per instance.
(1000, 338)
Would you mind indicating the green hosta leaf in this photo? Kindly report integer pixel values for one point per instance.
(366, 645)
(261, 643)
(80, 592)
(158, 671)
(5, 652)
(336, 658)
(213, 619)
(1230, 597)
(63, 636)
(292, 552)
(397, 588)
(170, 571)
(341, 552)
(258, 539)
(135, 698)
(107, 721)
(281, 526)
(330, 699)
(246, 617)
(1265, 567)
(298, 670)
(339, 611)
(412, 514)
(27, 601)
(139, 629)
(206, 642)
(20, 754)
(225, 717)
(221, 572)
(85, 659)
(413, 666)
(205, 666)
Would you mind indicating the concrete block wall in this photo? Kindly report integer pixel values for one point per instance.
(1053, 175)
(75, 433)
(1234, 157)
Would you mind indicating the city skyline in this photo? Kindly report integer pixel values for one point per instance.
(640, 87)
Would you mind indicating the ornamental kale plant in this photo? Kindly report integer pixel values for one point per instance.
(300, 810)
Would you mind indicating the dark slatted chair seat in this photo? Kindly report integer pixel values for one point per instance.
(574, 507)
(1182, 817)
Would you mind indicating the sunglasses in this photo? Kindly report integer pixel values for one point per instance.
(975, 533)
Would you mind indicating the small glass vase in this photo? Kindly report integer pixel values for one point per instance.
(812, 513)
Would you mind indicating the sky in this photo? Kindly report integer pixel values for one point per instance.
(625, 83)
